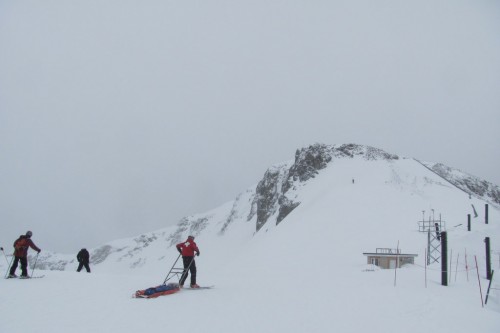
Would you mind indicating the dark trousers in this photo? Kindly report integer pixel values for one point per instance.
(83, 264)
(24, 266)
(188, 262)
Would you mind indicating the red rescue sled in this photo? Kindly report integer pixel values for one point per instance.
(153, 292)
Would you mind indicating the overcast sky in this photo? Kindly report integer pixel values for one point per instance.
(121, 117)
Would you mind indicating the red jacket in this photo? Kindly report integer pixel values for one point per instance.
(21, 246)
(188, 248)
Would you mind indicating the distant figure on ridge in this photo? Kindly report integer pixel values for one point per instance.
(21, 246)
(83, 258)
(188, 249)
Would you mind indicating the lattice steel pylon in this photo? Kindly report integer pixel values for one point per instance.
(433, 229)
(433, 247)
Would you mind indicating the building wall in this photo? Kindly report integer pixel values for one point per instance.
(385, 261)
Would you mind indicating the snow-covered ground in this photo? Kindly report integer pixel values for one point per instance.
(308, 274)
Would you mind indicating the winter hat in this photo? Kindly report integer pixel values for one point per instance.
(29, 233)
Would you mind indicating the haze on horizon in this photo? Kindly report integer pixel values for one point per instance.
(121, 117)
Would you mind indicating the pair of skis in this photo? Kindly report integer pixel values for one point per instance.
(25, 278)
(205, 287)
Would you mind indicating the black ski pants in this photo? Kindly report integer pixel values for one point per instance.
(24, 266)
(189, 264)
(83, 264)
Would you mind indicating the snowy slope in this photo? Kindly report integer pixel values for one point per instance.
(306, 273)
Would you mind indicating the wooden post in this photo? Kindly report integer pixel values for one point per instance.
(397, 264)
(479, 280)
(488, 258)
(474, 209)
(444, 259)
(451, 260)
(425, 265)
(486, 213)
(429, 247)
(466, 266)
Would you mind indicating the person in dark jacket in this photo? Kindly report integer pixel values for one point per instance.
(83, 258)
(188, 249)
(21, 246)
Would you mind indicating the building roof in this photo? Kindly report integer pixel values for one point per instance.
(389, 254)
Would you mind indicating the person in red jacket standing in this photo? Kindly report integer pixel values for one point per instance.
(21, 246)
(188, 249)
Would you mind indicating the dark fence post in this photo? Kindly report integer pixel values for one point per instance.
(444, 259)
(489, 286)
(468, 222)
(486, 213)
(488, 258)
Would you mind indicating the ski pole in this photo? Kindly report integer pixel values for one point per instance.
(34, 266)
(8, 268)
(1, 248)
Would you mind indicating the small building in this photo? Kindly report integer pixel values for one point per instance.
(387, 258)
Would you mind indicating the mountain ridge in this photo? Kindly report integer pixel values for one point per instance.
(266, 204)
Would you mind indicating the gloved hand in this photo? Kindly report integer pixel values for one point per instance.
(39, 251)
(180, 251)
(198, 253)
(1, 248)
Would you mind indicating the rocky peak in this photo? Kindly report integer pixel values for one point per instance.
(309, 160)
(367, 152)
(267, 194)
(273, 191)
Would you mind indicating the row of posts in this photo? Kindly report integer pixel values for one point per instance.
(485, 217)
(444, 251)
(444, 259)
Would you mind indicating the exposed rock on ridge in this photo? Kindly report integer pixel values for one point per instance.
(273, 191)
(267, 195)
(466, 182)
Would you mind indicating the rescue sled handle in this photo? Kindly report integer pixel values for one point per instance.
(177, 270)
(175, 262)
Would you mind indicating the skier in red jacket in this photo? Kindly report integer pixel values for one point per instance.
(21, 246)
(188, 249)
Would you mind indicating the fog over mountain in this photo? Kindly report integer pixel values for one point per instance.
(122, 117)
